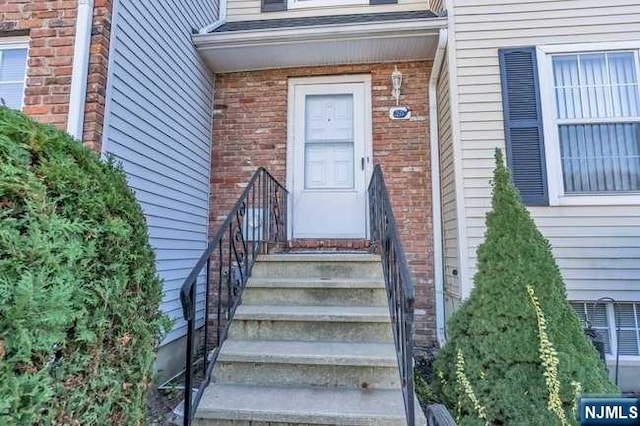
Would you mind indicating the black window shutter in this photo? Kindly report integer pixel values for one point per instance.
(374, 2)
(274, 5)
(523, 124)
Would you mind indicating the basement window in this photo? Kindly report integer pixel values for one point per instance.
(618, 325)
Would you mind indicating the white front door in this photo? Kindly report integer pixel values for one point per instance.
(330, 151)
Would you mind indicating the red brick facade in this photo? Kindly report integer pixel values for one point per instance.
(50, 26)
(250, 130)
(97, 80)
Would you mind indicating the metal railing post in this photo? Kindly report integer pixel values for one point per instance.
(233, 263)
(188, 374)
(400, 293)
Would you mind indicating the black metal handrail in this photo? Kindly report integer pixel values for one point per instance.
(258, 219)
(400, 293)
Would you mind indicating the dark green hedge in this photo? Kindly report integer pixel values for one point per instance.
(79, 292)
(496, 333)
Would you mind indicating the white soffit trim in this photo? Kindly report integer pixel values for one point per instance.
(330, 32)
(400, 40)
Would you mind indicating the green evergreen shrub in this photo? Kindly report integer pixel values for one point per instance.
(492, 369)
(79, 292)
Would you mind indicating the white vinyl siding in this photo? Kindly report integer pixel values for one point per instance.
(597, 247)
(247, 10)
(158, 125)
(447, 190)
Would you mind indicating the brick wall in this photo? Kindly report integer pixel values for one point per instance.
(250, 130)
(97, 79)
(50, 26)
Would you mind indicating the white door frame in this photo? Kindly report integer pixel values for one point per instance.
(368, 145)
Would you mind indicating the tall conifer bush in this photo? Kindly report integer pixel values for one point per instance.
(79, 292)
(516, 350)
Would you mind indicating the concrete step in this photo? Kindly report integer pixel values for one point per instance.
(301, 282)
(330, 364)
(318, 326)
(318, 266)
(309, 323)
(285, 351)
(238, 405)
(373, 314)
(315, 291)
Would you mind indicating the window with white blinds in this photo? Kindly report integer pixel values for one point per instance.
(618, 324)
(597, 114)
(629, 335)
(13, 68)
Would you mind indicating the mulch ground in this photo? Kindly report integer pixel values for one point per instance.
(160, 406)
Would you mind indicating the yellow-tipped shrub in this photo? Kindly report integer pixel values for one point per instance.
(496, 334)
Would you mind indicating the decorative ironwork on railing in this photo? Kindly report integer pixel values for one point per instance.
(385, 239)
(257, 221)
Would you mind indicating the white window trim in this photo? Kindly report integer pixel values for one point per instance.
(613, 334)
(306, 4)
(555, 182)
(7, 43)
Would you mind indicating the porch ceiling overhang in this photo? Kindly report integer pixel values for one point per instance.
(338, 40)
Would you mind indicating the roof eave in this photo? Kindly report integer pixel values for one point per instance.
(331, 32)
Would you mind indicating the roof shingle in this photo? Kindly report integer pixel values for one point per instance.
(322, 20)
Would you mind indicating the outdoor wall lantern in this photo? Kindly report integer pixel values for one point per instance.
(396, 81)
(398, 112)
